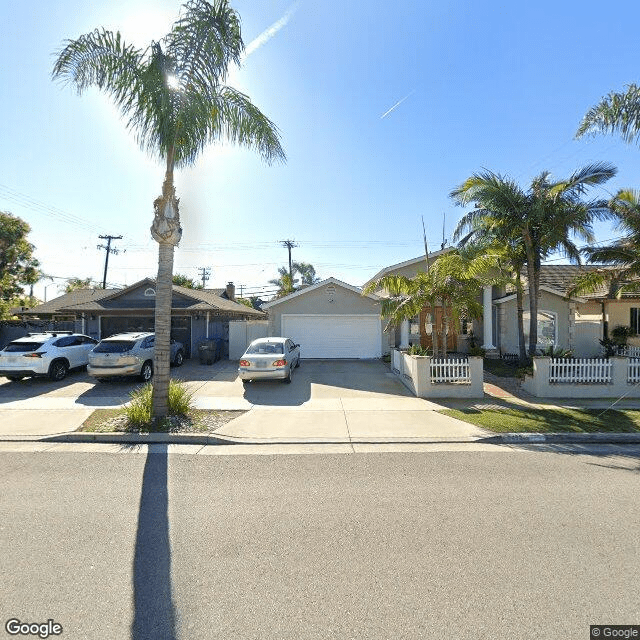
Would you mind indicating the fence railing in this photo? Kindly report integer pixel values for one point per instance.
(633, 371)
(580, 370)
(450, 370)
(631, 352)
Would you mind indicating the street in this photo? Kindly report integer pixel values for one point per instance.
(508, 542)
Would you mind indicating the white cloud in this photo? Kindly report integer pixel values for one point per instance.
(267, 34)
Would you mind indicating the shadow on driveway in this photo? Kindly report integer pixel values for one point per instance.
(154, 612)
(330, 379)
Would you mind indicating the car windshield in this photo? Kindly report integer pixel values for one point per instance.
(114, 346)
(266, 347)
(18, 347)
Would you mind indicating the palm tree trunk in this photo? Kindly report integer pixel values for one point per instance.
(533, 293)
(520, 312)
(167, 232)
(161, 358)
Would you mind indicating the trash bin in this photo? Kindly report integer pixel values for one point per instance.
(209, 351)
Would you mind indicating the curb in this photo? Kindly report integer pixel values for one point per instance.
(203, 440)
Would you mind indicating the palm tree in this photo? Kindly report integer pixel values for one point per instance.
(307, 272)
(451, 282)
(543, 219)
(286, 283)
(172, 95)
(622, 256)
(616, 112)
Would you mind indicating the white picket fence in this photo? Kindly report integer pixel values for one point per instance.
(631, 352)
(580, 370)
(450, 370)
(633, 371)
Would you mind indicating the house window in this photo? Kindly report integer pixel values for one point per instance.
(547, 328)
(414, 326)
(634, 319)
(150, 292)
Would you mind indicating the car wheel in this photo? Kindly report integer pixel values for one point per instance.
(146, 373)
(245, 382)
(15, 378)
(179, 359)
(58, 370)
(298, 362)
(287, 380)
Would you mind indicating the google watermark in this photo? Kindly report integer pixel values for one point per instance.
(626, 631)
(15, 627)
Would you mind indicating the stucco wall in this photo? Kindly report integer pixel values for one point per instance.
(321, 302)
(618, 312)
(586, 332)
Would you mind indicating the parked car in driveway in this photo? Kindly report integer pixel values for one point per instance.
(269, 358)
(50, 354)
(129, 354)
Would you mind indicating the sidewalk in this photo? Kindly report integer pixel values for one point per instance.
(315, 408)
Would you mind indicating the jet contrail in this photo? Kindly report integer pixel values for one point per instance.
(267, 34)
(396, 105)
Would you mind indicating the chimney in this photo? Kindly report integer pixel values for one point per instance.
(231, 291)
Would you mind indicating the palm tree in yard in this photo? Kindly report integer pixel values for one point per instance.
(451, 283)
(542, 219)
(622, 256)
(172, 95)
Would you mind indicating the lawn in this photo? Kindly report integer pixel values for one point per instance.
(530, 420)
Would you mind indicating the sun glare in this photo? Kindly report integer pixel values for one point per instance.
(173, 82)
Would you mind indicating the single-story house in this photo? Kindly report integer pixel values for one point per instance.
(576, 323)
(196, 314)
(330, 319)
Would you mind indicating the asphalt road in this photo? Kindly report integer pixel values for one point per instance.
(516, 544)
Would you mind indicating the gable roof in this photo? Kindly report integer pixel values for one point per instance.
(201, 300)
(70, 299)
(305, 290)
(407, 263)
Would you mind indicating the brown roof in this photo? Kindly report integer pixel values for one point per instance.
(93, 301)
(561, 278)
(73, 298)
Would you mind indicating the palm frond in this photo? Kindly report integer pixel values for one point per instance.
(615, 113)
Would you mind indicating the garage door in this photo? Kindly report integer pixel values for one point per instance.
(337, 336)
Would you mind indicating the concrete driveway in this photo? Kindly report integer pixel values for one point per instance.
(327, 401)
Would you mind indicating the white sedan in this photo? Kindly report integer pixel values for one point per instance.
(269, 358)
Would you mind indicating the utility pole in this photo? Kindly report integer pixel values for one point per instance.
(109, 250)
(290, 244)
(205, 272)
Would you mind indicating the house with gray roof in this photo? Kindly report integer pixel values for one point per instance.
(196, 314)
(577, 323)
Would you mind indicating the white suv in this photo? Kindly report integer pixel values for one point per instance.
(45, 354)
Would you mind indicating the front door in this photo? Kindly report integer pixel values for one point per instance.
(433, 319)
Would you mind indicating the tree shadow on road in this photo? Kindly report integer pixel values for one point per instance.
(154, 612)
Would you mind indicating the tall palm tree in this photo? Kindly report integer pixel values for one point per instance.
(544, 218)
(172, 95)
(307, 272)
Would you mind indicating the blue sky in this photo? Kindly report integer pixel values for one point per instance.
(496, 85)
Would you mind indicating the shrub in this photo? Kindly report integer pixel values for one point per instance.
(417, 350)
(139, 409)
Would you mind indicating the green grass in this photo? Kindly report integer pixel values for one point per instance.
(511, 419)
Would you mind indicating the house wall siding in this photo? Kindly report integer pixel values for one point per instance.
(321, 302)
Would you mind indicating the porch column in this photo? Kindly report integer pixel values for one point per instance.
(487, 319)
(404, 334)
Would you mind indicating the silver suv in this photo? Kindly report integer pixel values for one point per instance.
(50, 354)
(129, 354)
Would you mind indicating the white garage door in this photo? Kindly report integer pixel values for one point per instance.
(337, 336)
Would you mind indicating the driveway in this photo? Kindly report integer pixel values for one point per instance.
(327, 401)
